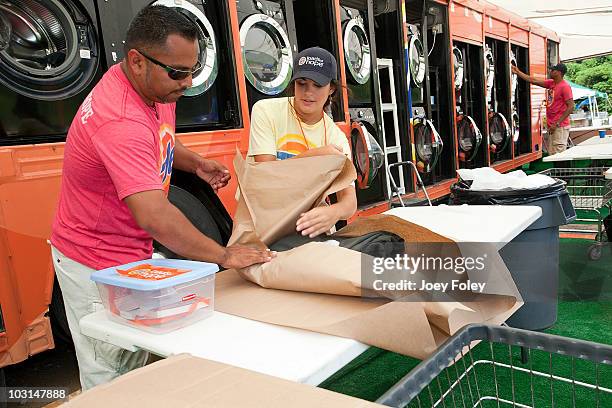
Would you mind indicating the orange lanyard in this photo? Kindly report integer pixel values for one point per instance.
(297, 117)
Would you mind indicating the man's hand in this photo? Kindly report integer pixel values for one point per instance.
(552, 127)
(213, 172)
(532, 80)
(317, 221)
(238, 256)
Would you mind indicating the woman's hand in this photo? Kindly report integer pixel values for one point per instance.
(317, 221)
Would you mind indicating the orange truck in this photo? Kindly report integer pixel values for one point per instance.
(395, 63)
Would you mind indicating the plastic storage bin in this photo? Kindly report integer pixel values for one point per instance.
(157, 295)
(533, 256)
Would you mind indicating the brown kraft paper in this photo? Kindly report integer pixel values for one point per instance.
(318, 287)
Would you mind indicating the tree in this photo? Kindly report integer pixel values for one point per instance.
(595, 73)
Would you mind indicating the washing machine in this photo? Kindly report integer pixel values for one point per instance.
(368, 156)
(499, 130)
(213, 101)
(49, 61)
(417, 64)
(428, 144)
(515, 120)
(469, 136)
(268, 42)
(357, 55)
(489, 71)
(427, 140)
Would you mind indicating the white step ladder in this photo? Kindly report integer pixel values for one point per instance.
(390, 106)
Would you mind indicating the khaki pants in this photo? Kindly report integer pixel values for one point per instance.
(557, 140)
(99, 362)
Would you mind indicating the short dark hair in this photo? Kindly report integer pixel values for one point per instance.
(152, 26)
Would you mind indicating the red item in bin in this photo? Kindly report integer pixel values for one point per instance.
(161, 320)
(151, 272)
(195, 305)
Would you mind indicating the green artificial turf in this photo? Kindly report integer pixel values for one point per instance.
(584, 312)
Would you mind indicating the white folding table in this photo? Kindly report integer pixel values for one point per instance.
(596, 140)
(300, 355)
(591, 149)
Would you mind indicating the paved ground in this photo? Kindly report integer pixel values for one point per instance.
(52, 368)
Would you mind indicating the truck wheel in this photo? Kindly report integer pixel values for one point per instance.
(196, 212)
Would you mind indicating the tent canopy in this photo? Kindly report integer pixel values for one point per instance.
(585, 26)
(581, 92)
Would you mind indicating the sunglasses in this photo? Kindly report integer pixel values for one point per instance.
(174, 73)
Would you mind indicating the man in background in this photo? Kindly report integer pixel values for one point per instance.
(559, 105)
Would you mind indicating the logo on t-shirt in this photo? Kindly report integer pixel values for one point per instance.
(86, 108)
(550, 96)
(166, 154)
(291, 145)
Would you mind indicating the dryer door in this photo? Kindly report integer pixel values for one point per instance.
(368, 156)
(469, 137)
(357, 50)
(515, 126)
(428, 143)
(416, 60)
(499, 132)
(266, 54)
(205, 78)
(489, 72)
(513, 81)
(48, 51)
(458, 67)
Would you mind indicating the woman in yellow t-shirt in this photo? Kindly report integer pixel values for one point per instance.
(297, 126)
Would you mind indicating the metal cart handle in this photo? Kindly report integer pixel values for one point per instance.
(395, 188)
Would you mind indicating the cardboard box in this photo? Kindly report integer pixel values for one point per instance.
(187, 381)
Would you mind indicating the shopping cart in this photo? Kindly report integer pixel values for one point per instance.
(495, 366)
(589, 191)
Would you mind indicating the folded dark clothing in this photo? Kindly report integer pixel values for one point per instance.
(377, 244)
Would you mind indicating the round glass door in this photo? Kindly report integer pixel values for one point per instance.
(513, 80)
(416, 57)
(469, 137)
(429, 145)
(489, 68)
(499, 132)
(458, 67)
(367, 154)
(266, 54)
(515, 127)
(357, 50)
(44, 53)
(205, 78)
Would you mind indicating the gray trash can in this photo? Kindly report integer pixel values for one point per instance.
(533, 256)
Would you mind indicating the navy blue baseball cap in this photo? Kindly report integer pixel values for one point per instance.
(317, 64)
(562, 68)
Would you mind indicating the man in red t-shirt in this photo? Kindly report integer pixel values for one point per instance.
(118, 160)
(559, 105)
